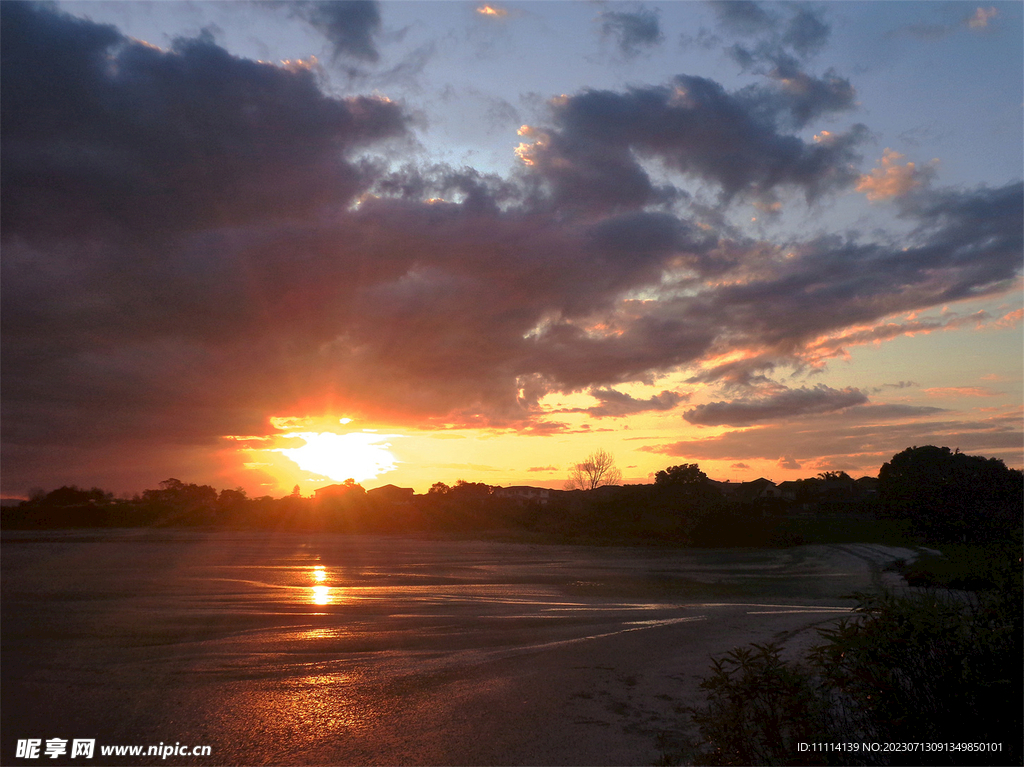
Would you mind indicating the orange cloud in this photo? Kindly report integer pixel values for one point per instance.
(834, 345)
(1010, 320)
(962, 391)
(893, 179)
(527, 152)
(490, 10)
(981, 17)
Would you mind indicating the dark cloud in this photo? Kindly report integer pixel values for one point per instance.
(836, 344)
(102, 132)
(194, 242)
(794, 98)
(967, 245)
(551, 428)
(617, 404)
(806, 33)
(734, 141)
(744, 17)
(804, 98)
(827, 439)
(782, 32)
(785, 404)
(632, 32)
(744, 372)
(349, 25)
(404, 73)
(788, 462)
(886, 412)
(778, 45)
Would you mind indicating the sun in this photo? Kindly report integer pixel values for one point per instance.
(356, 455)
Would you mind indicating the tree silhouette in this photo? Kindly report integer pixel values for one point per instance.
(72, 495)
(688, 474)
(464, 490)
(951, 496)
(439, 488)
(174, 493)
(829, 476)
(596, 470)
(232, 499)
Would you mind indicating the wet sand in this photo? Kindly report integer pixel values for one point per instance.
(290, 649)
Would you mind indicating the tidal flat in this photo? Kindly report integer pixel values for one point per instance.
(291, 648)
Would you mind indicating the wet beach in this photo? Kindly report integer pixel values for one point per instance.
(329, 649)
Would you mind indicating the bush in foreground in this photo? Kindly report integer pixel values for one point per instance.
(759, 709)
(926, 668)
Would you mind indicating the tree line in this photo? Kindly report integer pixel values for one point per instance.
(929, 492)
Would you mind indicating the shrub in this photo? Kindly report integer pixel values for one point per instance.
(966, 567)
(934, 667)
(759, 708)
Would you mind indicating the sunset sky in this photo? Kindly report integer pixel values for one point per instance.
(262, 244)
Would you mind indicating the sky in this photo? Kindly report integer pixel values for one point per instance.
(261, 244)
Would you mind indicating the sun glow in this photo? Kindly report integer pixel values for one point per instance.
(322, 595)
(357, 455)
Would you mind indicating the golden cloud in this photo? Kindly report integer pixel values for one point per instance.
(962, 391)
(490, 10)
(981, 18)
(893, 179)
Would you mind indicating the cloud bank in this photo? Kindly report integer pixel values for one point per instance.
(194, 242)
(780, 405)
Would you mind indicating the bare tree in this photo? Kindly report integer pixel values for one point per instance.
(597, 470)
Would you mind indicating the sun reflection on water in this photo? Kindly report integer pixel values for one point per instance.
(322, 595)
(309, 712)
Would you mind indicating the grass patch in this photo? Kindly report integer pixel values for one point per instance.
(960, 566)
(845, 528)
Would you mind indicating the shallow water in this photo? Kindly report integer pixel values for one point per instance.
(292, 648)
